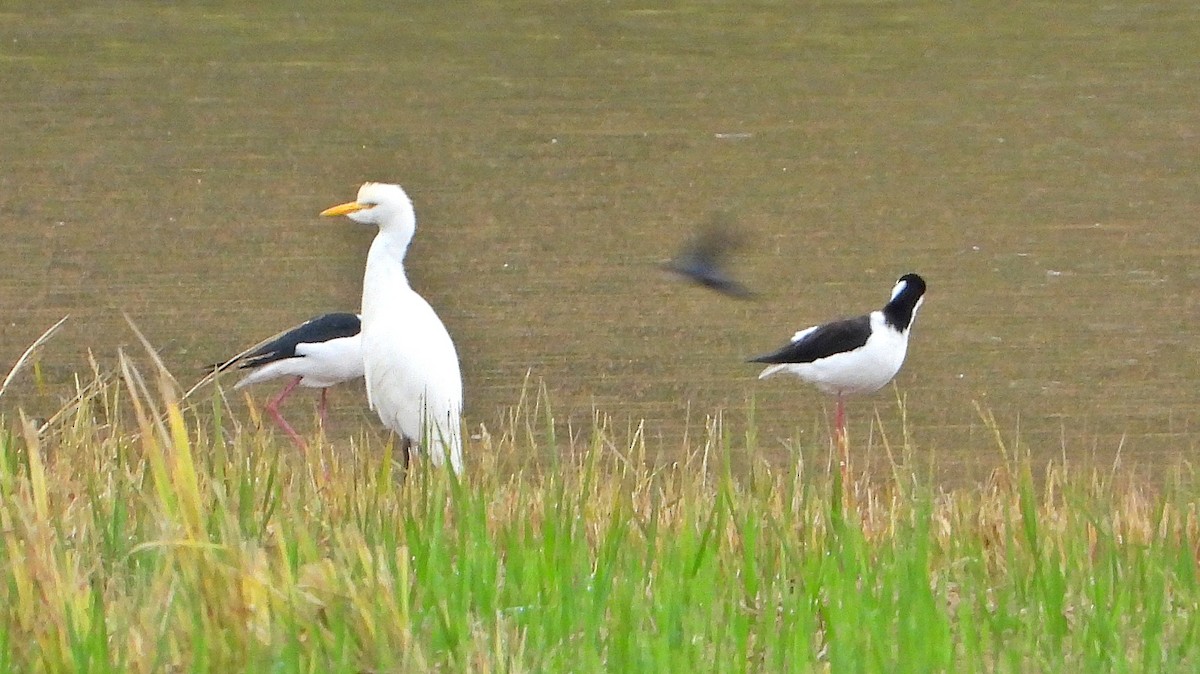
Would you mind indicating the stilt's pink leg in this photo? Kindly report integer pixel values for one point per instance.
(839, 423)
(839, 420)
(322, 407)
(272, 409)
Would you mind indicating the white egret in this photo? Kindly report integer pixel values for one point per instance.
(411, 366)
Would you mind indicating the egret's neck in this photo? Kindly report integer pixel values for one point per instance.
(385, 270)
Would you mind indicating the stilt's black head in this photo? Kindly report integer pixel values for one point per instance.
(907, 297)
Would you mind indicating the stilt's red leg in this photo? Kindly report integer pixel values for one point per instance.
(272, 409)
(843, 443)
(839, 420)
(322, 407)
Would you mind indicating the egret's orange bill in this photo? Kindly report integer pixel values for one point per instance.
(343, 209)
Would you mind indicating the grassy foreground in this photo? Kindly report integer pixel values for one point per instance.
(136, 536)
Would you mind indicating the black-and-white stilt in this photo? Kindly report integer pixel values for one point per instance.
(318, 353)
(413, 377)
(852, 355)
(702, 259)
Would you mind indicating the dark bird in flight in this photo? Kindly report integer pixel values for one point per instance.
(702, 259)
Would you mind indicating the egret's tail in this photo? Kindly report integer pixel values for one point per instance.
(445, 439)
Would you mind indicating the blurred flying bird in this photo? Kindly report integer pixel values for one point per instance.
(702, 259)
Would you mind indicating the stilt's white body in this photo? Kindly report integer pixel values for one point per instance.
(863, 370)
(411, 366)
(322, 364)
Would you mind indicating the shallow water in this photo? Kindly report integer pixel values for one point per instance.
(1037, 163)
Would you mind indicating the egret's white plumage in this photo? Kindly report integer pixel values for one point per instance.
(411, 366)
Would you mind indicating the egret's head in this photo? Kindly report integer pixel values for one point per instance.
(380, 204)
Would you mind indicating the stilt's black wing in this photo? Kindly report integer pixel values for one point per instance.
(320, 329)
(313, 331)
(822, 342)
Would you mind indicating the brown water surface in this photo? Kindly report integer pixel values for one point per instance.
(1038, 163)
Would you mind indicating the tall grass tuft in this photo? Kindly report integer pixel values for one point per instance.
(140, 533)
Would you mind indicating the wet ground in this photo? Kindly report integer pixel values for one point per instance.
(1039, 164)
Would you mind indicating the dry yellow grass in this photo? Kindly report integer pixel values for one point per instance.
(141, 534)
